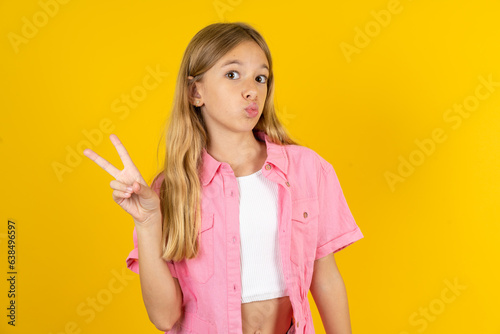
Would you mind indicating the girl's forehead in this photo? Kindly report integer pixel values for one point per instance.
(244, 54)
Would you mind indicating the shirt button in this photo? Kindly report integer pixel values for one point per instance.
(234, 287)
(288, 184)
(234, 240)
(305, 214)
(297, 324)
(268, 166)
(231, 193)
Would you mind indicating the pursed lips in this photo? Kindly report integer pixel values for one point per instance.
(252, 106)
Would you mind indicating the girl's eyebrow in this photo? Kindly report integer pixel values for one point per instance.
(236, 61)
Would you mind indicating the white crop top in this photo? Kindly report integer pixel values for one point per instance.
(261, 269)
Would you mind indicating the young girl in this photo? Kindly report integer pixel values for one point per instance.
(242, 221)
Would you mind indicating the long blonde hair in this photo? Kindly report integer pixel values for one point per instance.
(186, 136)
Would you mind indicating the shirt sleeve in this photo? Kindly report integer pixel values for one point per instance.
(132, 259)
(336, 226)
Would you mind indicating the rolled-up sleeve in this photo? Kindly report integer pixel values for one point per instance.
(336, 226)
(133, 256)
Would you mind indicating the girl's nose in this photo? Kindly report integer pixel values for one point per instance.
(251, 90)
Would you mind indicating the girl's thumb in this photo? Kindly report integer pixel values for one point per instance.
(141, 190)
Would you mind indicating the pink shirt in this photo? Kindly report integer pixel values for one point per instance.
(314, 220)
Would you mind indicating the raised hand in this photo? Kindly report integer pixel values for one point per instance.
(131, 192)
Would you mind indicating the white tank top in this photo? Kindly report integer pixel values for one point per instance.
(261, 269)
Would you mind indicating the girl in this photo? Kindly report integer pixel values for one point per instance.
(242, 221)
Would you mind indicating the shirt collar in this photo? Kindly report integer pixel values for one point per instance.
(275, 155)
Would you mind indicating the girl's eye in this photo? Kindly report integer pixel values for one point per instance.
(264, 78)
(230, 75)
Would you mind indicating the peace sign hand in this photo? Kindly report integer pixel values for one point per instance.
(131, 192)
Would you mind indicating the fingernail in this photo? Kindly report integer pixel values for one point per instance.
(129, 189)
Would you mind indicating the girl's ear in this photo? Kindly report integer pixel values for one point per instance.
(193, 92)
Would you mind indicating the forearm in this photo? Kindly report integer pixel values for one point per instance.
(161, 297)
(333, 307)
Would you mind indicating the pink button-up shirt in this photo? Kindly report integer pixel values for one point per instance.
(314, 220)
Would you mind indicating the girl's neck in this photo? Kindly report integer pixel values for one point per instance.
(245, 158)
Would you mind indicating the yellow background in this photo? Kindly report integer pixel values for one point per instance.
(362, 112)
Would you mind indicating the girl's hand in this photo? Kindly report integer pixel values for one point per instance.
(131, 192)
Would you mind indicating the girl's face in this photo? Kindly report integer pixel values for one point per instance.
(235, 82)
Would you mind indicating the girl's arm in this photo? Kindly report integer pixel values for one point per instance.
(161, 292)
(330, 296)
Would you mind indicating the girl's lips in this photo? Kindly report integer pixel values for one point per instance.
(252, 112)
(252, 105)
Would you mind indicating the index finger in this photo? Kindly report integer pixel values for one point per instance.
(103, 163)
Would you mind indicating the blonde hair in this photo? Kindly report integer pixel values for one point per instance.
(186, 136)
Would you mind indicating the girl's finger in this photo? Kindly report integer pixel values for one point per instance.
(117, 185)
(122, 152)
(121, 194)
(103, 163)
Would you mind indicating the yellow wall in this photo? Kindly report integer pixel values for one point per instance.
(366, 90)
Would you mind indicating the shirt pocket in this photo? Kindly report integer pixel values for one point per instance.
(201, 268)
(304, 229)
